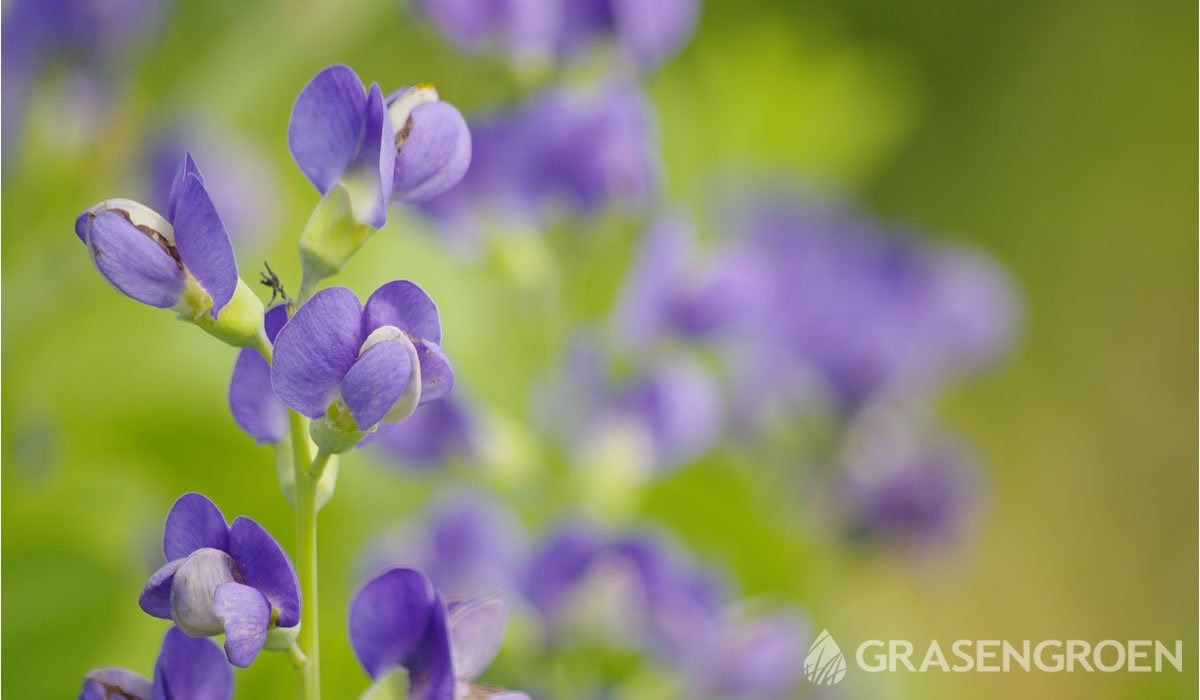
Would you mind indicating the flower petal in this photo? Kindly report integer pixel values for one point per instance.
(265, 566)
(194, 589)
(247, 615)
(437, 376)
(368, 179)
(136, 264)
(406, 306)
(315, 349)
(203, 243)
(431, 666)
(326, 124)
(388, 618)
(379, 378)
(194, 522)
(156, 596)
(435, 155)
(255, 407)
(101, 683)
(476, 633)
(187, 167)
(275, 319)
(191, 667)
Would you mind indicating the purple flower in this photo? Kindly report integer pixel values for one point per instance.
(399, 620)
(409, 147)
(903, 480)
(183, 261)
(354, 365)
(672, 290)
(468, 544)
(588, 150)
(667, 415)
(868, 313)
(222, 579)
(88, 36)
(533, 30)
(634, 590)
(646, 32)
(153, 259)
(753, 656)
(525, 29)
(434, 434)
(255, 407)
(187, 668)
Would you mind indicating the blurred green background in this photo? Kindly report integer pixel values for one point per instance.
(1060, 136)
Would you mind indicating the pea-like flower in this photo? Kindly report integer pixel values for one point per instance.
(354, 366)
(183, 261)
(399, 620)
(222, 579)
(362, 150)
(187, 667)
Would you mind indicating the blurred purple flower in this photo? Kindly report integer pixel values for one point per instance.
(253, 403)
(468, 544)
(671, 289)
(650, 596)
(586, 151)
(378, 362)
(399, 620)
(222, 579)
(154, 259)
(536, 30)
(409, 147)
(753, 657)
(241, 181)
(524, 29)
(187, 667)
(902, 479)
(869, 313)
(433, 435)
(671, 409)
(87, 35)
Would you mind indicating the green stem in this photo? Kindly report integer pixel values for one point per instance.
(306, 555)
(297, 657)
(318, 465)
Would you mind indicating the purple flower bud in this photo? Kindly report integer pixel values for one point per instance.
(410, 146)
(232, 579)
(182, 261)
(646, 32)
(398, 620)
(356, 365)
(187, 667)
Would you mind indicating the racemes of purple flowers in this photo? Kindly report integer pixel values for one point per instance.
(319, 369)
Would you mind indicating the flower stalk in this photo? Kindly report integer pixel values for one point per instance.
(306, 557)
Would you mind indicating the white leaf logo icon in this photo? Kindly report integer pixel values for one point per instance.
(824, 664)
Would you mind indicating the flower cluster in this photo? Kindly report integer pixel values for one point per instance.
(583, 586)
(322, 370)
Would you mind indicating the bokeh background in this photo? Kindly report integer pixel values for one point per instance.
(1057, 136)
